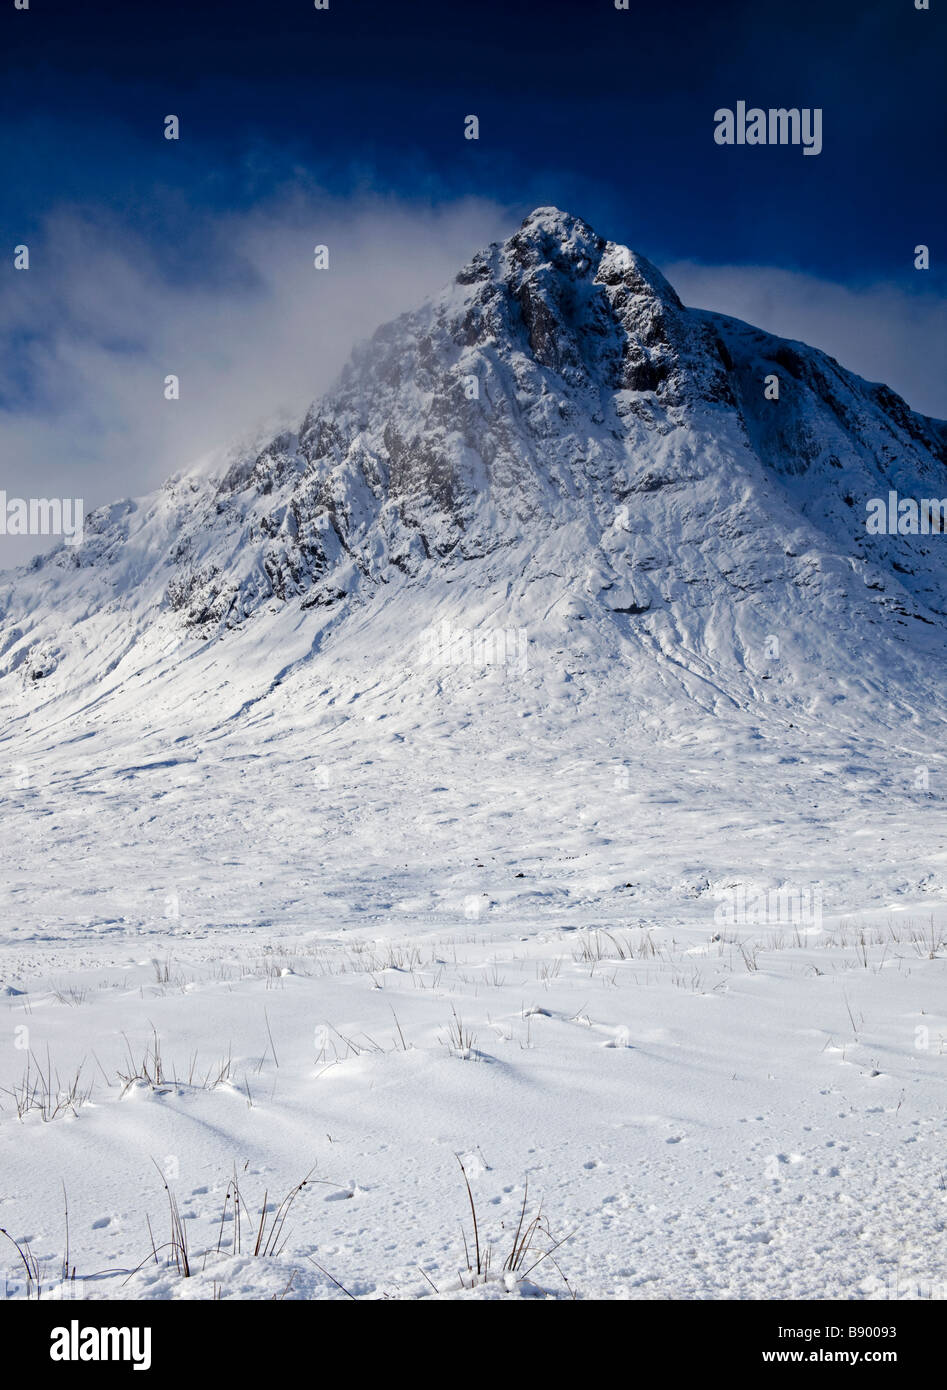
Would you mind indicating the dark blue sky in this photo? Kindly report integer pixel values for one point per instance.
(606, 113)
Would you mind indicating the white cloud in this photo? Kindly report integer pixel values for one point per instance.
(256, 336)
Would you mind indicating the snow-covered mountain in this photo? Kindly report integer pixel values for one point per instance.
(533, 761)
(553, 443)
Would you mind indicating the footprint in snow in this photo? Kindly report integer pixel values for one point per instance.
(342, 1194)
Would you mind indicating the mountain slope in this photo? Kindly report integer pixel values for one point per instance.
(552, 443)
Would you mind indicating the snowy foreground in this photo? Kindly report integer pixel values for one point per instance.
(411, 946)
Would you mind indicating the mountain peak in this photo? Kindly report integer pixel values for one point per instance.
(550, 216)
(589, 309)
(553, 244)
(552, 221)
(575, 245)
